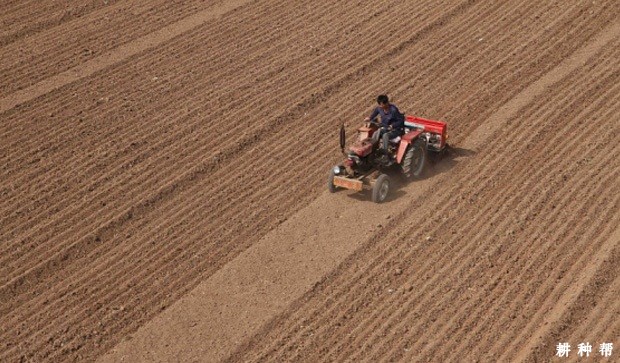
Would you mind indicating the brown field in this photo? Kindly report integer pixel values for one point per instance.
(163, 181)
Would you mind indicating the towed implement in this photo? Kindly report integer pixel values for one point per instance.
(366, 162)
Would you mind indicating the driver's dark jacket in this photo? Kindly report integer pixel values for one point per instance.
(391, 118)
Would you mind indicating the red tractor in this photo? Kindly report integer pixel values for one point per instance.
(366, 161)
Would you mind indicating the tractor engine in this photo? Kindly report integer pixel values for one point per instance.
(360, 154)
(355, 163)
(358, 157)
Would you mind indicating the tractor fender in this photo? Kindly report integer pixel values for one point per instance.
(405, 140)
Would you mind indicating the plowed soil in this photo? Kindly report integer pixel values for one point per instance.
(163, 169)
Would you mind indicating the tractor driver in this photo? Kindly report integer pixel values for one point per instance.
(392, 121)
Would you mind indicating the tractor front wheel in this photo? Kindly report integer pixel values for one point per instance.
(414, 160)
(381, 188)
(330, 182)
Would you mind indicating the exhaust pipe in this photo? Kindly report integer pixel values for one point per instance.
(342, 138)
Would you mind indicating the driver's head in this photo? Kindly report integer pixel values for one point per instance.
(383, 101)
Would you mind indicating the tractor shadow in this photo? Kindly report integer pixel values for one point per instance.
(365, 196)
(438, 163)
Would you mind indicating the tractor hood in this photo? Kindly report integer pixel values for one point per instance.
(361, 148)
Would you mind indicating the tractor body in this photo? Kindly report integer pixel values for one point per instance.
(366, 162)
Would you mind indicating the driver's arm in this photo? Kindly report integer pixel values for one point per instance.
(374, 114)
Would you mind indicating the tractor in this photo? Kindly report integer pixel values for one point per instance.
(366, 162)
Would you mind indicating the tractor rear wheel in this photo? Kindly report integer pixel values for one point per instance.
(381, 188)
(414, 160)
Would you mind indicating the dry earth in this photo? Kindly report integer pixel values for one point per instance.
(163, 166)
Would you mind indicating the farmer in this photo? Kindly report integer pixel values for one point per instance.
(392, 121)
